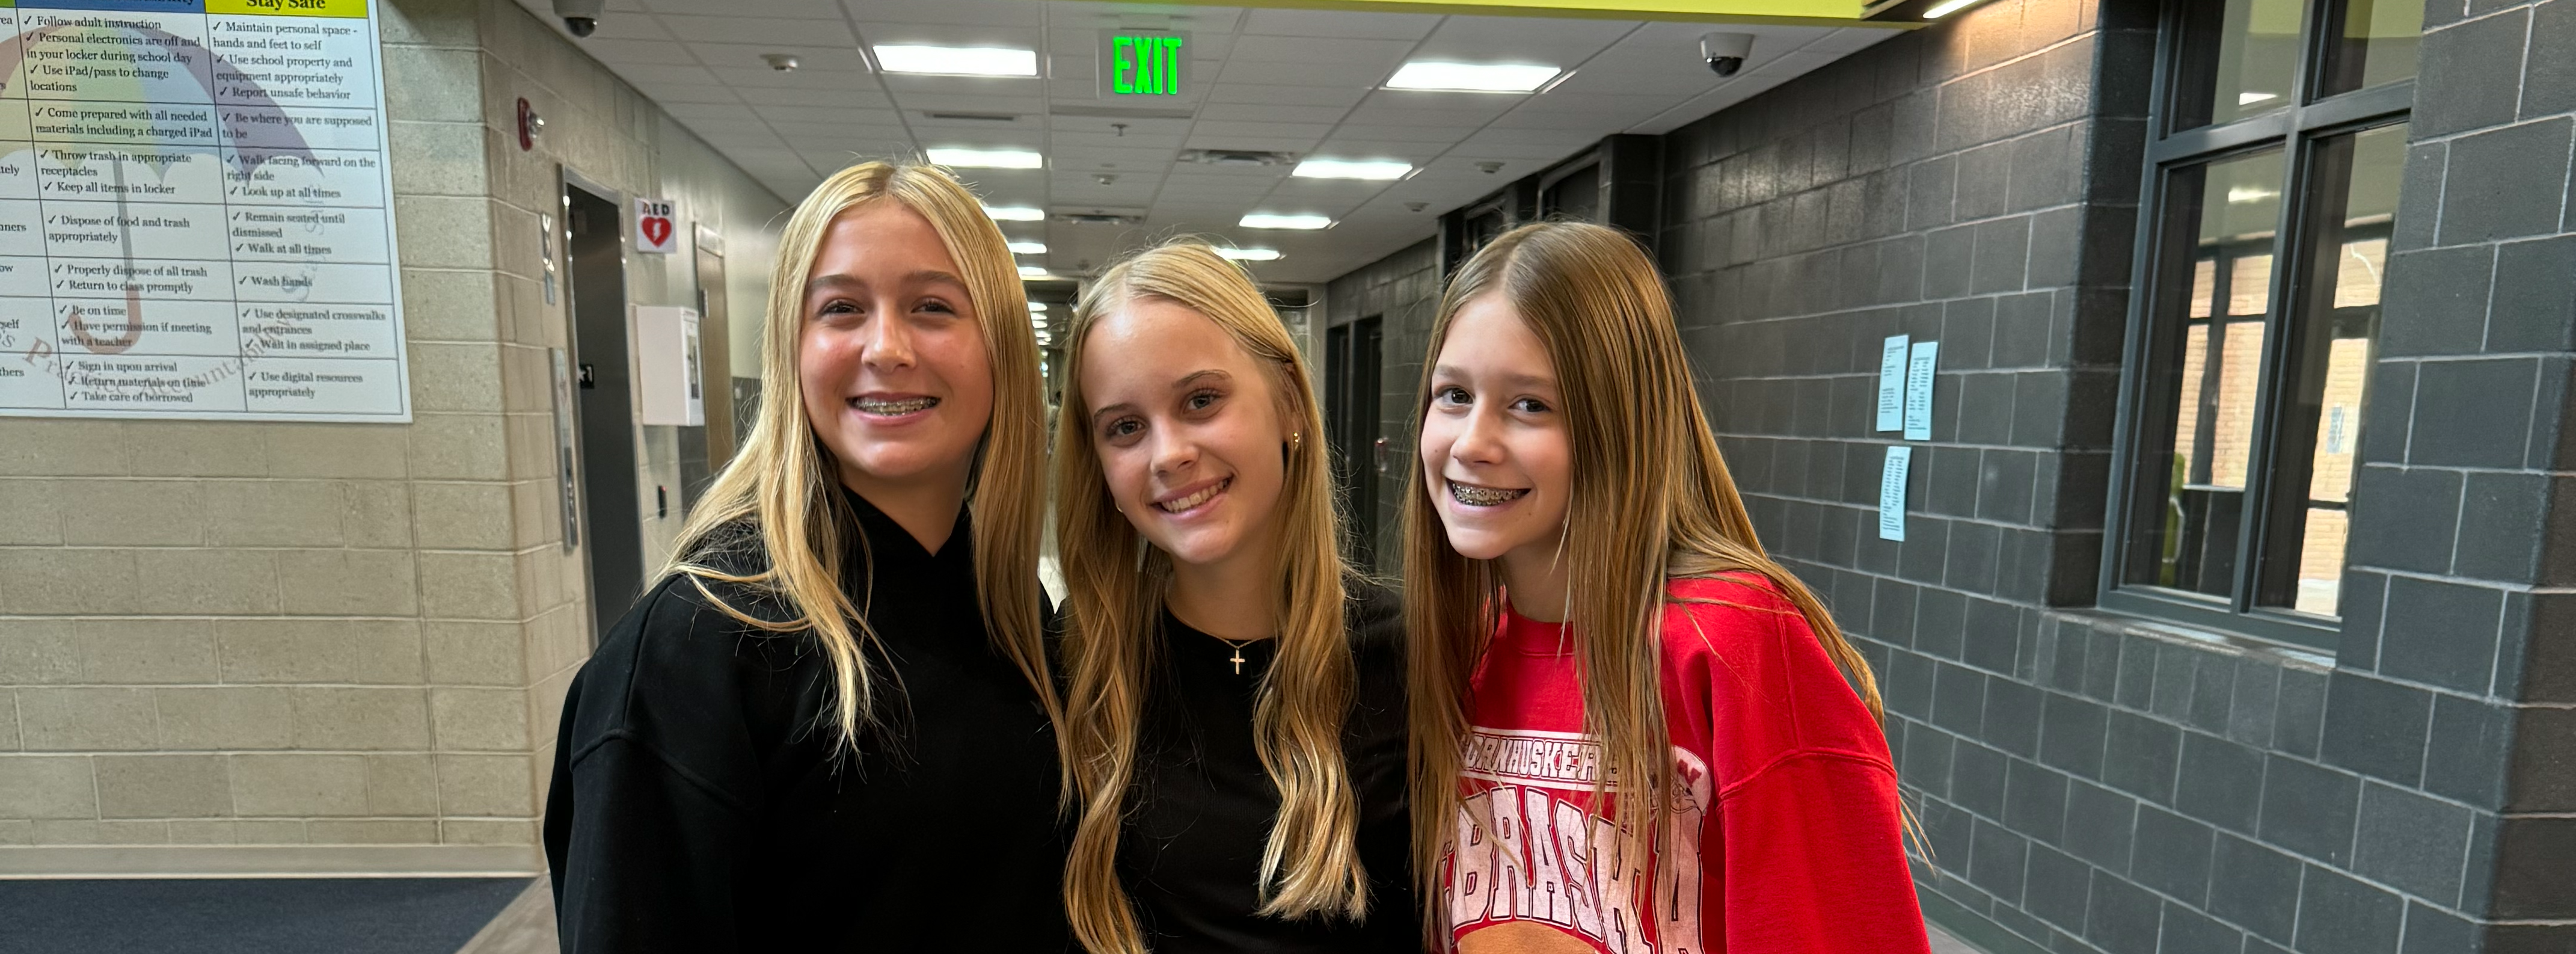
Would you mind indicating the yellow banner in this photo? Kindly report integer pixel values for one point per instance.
(1810, 12)
(288, 8)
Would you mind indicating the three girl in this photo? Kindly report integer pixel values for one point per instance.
(836, 723)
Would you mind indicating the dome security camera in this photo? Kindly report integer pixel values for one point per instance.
(580, 17)
(1724, 52)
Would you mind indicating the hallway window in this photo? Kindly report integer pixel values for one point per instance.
(2269, 206)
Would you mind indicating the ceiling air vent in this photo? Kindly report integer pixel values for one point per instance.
(1238, 157)
(1102, 217)
(973, 117)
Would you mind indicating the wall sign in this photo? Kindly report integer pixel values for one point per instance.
(657, 230)
(1891, 383)
(1143, 63)
(1891, 492)
(194, 219)
(1918, 390)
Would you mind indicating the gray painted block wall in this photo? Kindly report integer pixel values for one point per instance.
(2089, 782)
(2094, 783)
(1405, 289)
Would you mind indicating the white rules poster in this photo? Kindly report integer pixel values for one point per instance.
(195, 212)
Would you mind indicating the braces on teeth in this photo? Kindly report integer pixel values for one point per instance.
(1481, 496)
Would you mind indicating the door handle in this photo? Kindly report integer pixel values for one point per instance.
(1378, 452)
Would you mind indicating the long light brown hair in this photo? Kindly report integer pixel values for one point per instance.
(1650, 501)
(1115, 585)
(785, 484)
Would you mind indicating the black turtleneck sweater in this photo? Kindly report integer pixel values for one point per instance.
(702, 802)
(1190, 855)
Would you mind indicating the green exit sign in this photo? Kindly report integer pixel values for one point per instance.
(1143, 62)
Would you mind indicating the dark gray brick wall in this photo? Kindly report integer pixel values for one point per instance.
(1405, 288)
(2094, 783)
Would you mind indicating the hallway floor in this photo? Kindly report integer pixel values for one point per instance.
(296, 916)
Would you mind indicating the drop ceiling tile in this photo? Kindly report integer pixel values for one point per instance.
(965, 12)
(783, 9)
(1322, 52)
(830, 98)
(883, 32)
(1372, 114)
(903, 84)
(674, 94)
(800, 79)
(1338, 146)
(1342, 97)
(1563, 43)
(1214, 129)
(692, 112)
(1442, 133)
(633, 26)
(758, 30)
(810, 58)
(1327, 23)
(1169, 144)
(1287, 74)
(640, 52)
(825, 117)
(962, 103)
(1250, 113)
(640, 73)
(1095, 157)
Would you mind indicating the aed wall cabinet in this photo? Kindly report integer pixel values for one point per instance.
(667, 366)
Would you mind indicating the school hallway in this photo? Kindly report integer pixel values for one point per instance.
(2172, 401)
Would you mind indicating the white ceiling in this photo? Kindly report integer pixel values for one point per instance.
(1300, 81)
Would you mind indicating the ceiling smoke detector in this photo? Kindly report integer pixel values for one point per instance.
(1238, 157)
(782, 62)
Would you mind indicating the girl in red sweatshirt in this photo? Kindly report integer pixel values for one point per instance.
(1632, 730)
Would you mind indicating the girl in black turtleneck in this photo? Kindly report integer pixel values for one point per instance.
(1235, 707)
(829, 726)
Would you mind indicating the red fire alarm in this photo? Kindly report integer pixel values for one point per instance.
(530, 124)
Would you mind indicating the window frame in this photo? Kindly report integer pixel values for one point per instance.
(2296, 129)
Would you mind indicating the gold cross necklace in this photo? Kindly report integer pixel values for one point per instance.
(1238, 659)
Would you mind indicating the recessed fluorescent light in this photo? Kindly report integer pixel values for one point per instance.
(1473, 77)
(1380, 169)
(1015, 213)
(2251, 98)
(1948, 7)
(2242, 194)
(958, 60)
(987, 158)
(1033, 271)
(1037, 306)
(1028, 248)
(1265, 220)
(1250, 254)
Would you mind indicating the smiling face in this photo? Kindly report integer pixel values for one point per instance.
(1494, 448)
(1189, 430)
(891, 361)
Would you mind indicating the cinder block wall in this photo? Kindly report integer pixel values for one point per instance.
(302, 648)
(2097, 783)
(1404, 288)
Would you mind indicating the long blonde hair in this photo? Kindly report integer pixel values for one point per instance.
(1650, 501)
(784, 484)
(1311, 864)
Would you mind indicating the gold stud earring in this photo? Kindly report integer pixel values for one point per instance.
(1296, 442)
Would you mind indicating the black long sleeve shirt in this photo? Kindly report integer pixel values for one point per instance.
(1190, 855)
(703, 803)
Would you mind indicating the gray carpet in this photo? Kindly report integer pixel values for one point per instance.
(262, 916)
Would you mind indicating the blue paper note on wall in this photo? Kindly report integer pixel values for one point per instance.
(1891, 383)
(1891, 493)
(1918, 391)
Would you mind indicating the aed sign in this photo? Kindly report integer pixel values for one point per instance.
(656, 229)
(1143, 63)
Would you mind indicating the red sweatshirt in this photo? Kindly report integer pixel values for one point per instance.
(1785, 832)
